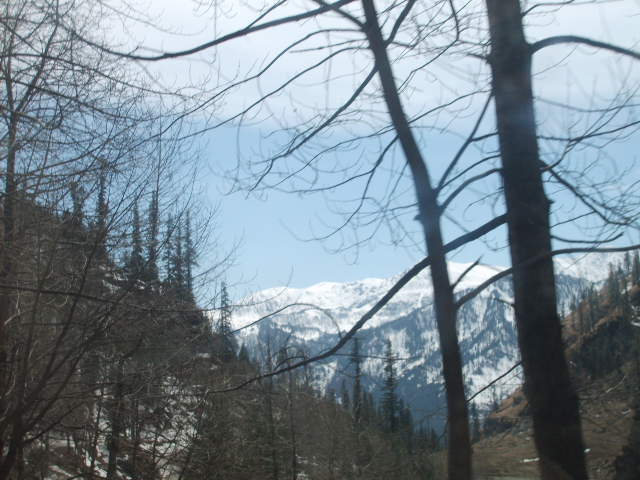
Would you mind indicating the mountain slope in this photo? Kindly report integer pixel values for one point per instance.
(313, 319)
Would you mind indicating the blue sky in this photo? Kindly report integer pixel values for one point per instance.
(267, 227)
(272, 228)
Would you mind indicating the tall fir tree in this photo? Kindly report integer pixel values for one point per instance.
(102, 211)
(635, 269)
(175, 280)
(135, 263)
(389, 404)
(169, 252)
(356, 395)
(475, 422)
(226, 347)
(152, 244)
(189, 259)
(613, 286)
(77, 200)
(345, 401)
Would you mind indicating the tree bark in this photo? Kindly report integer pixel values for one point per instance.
(547, 384)
(459, 453)
(113, 445)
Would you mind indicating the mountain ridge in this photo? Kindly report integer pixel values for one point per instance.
(317, 316)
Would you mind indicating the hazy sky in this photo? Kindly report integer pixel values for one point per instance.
(267, 226)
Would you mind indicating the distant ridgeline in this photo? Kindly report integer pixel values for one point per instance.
(487, 333)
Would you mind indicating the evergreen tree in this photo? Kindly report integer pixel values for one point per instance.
(345, 401)
(613, 286)
(243, 354)
(168, 251)
(189, 259)
(635, 269)
(102, 211)
(389, 405)
(224, 320)
(475, 423)
(153, 228)
(175, 260)
(405, 425)
(135, 262)
(77, 199)
(227, 347)
(594, 306)
(357, 382)
(627, 264)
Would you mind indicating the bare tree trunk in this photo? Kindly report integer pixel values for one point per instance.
(292, 429)
(116, 423)
(135, 437)
(553, 400)
(96, 434)
(272, 429)
(459, 453)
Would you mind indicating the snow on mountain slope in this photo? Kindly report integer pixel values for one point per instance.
(341, 304)
(315, 318)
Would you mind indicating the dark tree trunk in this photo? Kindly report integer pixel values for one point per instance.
(459, 453)
(553, 400)
(116, 424)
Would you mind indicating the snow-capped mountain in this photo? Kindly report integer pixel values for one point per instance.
(314, 318)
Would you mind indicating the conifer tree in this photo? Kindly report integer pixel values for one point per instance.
(475, 422)
(227, 349)
(169, 253)
(389, 404)
(345, 401)
(405, 425)
(189, 259)
(613, 286)
(243, 354)
(357, 382)
(135, 263)
(178, 262)
(153, 228)
(224, 321)
(77, 199)
(174, 260)
(635, 269)
(102, 210)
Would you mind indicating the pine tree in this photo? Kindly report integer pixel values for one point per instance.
(224, 321)
(153, 228)
(135, 263)
(475, 423)
(77, 199)
(243, 354)
(189, 260)
(169, 252)
(175, 261)
(635, 269)
(345, 401)
(178, 263)
(613, 286)
(594, 310)
(357, 382)
(405, 425)
(102, 211)
(389, 404)
(227, 348)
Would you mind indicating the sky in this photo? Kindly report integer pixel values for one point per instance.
(274, 230)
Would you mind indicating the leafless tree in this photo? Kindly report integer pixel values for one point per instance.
(79, 145)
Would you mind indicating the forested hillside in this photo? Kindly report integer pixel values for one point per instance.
(602, 331)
